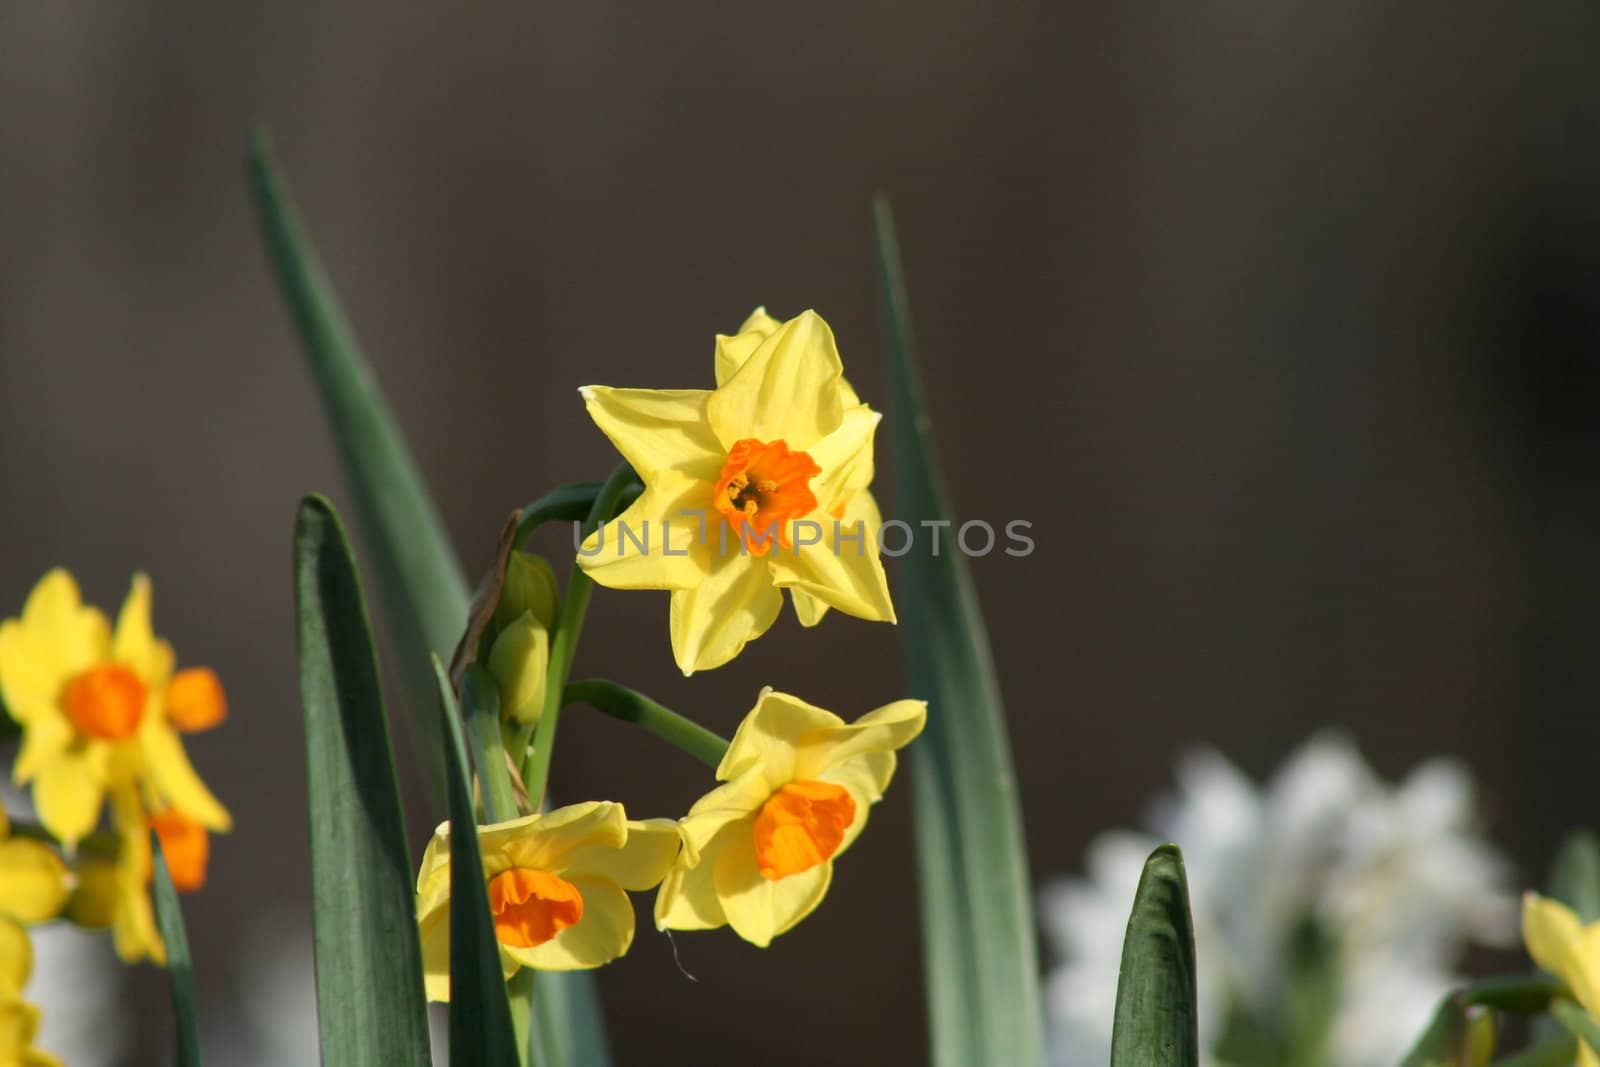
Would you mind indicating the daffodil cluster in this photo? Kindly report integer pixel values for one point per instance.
(757, 486)
(101, 708)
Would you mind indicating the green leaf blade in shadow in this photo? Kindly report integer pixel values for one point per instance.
(180, 968)
(370, 1003)
(981, 964)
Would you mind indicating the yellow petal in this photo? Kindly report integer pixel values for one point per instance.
(641, 862)
(1550, 930)
(603, 934)
(19, 1021)
(135, 643)
(1587, 1057)
(544, 842)
(790, 388)
(519, 663)
(733, 352)
(845, 457)
(56, 638)
(16, 958)
(884, 729)
(33, 881)
(662, 541)
(657, 430)
(687, 900)
(1585, 975)
(174, 777)
(734, 604)
(843, 569)
(68, 793)
(736, 800)
(772, 732)
(758, 909)
(807, 608)
(44, 738)
(433, 930)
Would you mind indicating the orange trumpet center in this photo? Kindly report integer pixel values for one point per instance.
(106, 702)
(530, 907)
(186, 846)
(763, 484)
(800, 826)
(195, 700)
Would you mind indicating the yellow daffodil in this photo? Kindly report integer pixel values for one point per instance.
(758, 852)
(19, 1020)
(519, 659)
(33, 880)
(556, 888)
(113, 882)
(756, 486)
(1568, 949)
(100, 707)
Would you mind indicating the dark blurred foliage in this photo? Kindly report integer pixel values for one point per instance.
(1278, 321)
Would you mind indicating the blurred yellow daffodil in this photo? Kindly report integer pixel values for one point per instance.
(33, 880)
(100, 707)
(1568, 949)
(113, 882)
(754, 487)
(556, 888)
(19, 1020)
(758, 851)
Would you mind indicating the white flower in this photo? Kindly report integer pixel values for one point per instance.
(1328, 863)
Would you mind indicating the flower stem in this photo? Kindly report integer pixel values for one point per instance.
(623, 703)
(564, 641)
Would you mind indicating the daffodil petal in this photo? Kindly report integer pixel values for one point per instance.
(16, 958)
(688, 900)
(885, 729)
(44, 739)
(789, 389)
(657, 430)
(772, 732)
(604, 933)
(433, 931)
(175, 778)
(734, 604)
(134, 641)
(662, 541)
(1585, 975)
(64, 631)
(738, 799)
(807, 608)
(865, 777)
(29, 682)
(639, 864)
(759, 909)
(1550, 930)
(843, 569)
(546, 843)
(33, 881)
(68, 793)
(733, 352)
(845, 457)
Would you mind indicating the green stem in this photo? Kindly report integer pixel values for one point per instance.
(564, 641)
(626, 704)
(569, 503)
(480, 697)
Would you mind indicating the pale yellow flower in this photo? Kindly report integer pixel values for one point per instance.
(1566, 948)
(101, 707)
(19, 1020)
(556, 888)
(757, 486)
(113, 882)
(758, 852)
(33, 880)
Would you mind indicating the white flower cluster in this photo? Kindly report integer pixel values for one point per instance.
(1393, 880)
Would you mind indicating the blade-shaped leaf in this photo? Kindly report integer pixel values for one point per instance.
(180, 971)
(370, 1003)
(1156, 1020)
(480, 1017)
(981, 961)
(1556, 1050)
(1459, 1035)
(1578, 1022)
(1575, 879)
(423, 586)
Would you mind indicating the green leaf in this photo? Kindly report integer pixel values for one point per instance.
(1156, 1021)
(180, 971)
(1557, 1050)
(981, 962)
(424, 589)
(1575, 877)
(370, 1004)
(1578, 1022)
(1460, 1035)
(480, 1017)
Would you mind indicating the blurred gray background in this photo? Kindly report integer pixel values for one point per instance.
(1278, 322)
